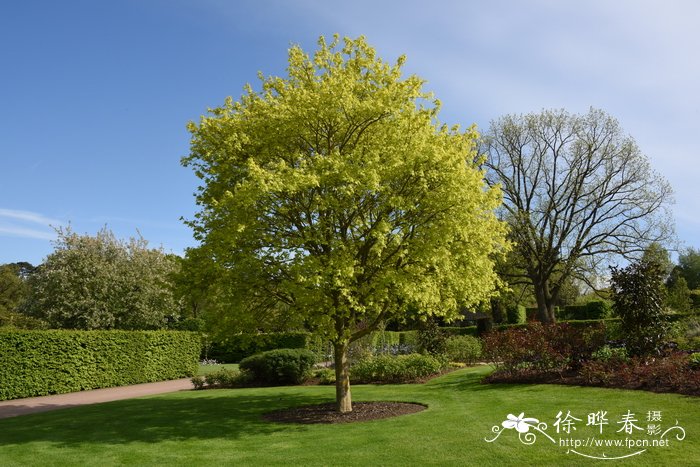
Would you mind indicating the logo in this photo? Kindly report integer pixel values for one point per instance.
(600, 437)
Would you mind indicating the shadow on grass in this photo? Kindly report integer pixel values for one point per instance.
(470, 380)
(211, 414)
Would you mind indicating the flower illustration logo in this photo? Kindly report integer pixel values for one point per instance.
(520, 423)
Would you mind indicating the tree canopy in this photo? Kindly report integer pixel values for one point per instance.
(577, 192)
(335, 196)
(101, 282)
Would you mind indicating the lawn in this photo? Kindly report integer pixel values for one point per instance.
(207, 369)
(223, 427)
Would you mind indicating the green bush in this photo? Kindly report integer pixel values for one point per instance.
(607, 353)
(516, 314)
(464, 349)
(240, 346)
(695, 360)
(325, 376)
(459, 331)
(279, 367)
(38, 363)
(431, 339)
(395, 369)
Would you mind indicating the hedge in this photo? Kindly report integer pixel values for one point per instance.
(595, 309)
(38, 363)
(239, 346)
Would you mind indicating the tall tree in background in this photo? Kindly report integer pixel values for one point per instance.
(101, 282)
(334, 194)
(688, 268)
(577, 191)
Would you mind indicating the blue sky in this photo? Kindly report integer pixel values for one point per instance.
(95, 95)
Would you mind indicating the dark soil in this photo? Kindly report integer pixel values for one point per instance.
(326, 413)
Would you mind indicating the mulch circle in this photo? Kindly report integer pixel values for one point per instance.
(326, 413)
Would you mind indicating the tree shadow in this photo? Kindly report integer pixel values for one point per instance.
(211, 414)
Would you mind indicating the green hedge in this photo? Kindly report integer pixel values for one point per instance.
(459, 331)
(38, 363)
(239, 346)
(595, 309)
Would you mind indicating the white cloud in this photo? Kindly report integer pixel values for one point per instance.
(29, 216)
(26, 233)
(27, 224)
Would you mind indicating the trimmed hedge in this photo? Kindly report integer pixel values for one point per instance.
(595, 309)
(239, 346)
(38, 363)
(459, 331)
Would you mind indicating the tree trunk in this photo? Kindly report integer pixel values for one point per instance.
(545, 303)
(343, 399)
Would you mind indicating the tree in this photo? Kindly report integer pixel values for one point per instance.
(638, 301)
(13, 292)
(577, 191)
(335, 196)
(678, 295)
(102, 283)
(656, 253)
(688, 268)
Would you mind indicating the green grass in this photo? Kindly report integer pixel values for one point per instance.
(207, 369)
(223, 427)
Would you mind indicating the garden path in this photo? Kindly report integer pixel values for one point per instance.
(16, 407)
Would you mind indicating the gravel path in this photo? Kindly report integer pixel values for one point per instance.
(29, 405)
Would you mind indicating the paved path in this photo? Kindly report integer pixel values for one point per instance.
(17, 407)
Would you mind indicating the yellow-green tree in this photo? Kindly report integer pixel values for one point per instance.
(335, 195)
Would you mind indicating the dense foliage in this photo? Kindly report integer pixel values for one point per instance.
(37, 363)
(334, 196)
(279, 367)
(101, 282)
(538, 348)
(638, 301)
(237, 347)
(396, 369)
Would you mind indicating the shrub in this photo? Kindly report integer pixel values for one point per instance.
(239, 346)
(695, 360)
(325, 376)
(672, 373)
(637, 297)
(398, 369)
(37, 363)
(464, 349)
(516, 314)
(279, 367)
(607, 353)
(542, 348)
(431, 339)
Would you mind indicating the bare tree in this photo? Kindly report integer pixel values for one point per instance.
(577, 192)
